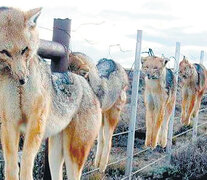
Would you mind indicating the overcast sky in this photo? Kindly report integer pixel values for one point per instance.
(98, 25)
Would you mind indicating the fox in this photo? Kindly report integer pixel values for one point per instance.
(60, 106)
(193, 83)
(159, 99)
(109, 81)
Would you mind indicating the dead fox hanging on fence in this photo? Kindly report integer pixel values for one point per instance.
(109, 82)
(193, 82)
(159, 98)
(45, 102)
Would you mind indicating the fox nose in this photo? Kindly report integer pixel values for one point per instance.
(22, 81)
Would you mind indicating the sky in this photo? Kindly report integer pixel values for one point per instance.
(108, 28)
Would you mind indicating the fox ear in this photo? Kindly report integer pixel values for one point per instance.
(143, 59)
(185, 60)
(32, 16)
(166, 60)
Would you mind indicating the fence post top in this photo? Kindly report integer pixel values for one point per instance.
(61, 19)
(177, 43)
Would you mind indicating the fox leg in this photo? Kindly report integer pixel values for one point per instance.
(164, 128)
(149, 126)
(184, 107)
(56, 156)
(78, 139)
(157, 125)
(191, 102)
(10, 143)
(75, 150)
(197, 105)
(111, 118)
(33, 137)
(100, 144)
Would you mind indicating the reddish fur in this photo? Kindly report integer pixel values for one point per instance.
(158, 102)
(33, 103)
(191, 101)
(110, 116)
(37, 126)
(78, 149)
(113, 117)
(10, 146)
(157, 127)
(109, 123)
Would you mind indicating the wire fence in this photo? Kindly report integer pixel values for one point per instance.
(159, 159)
(137, 129)
(169, 148)
(147, 149)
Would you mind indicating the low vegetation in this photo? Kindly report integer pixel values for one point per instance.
(187, 163)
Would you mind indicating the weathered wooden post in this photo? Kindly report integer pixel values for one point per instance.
(195, 120)
(59, 63)
(170, 127)
(135, 89)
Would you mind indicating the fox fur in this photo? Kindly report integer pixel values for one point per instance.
(193, 82)
(111, 92)
(62, 106)
(159, 98)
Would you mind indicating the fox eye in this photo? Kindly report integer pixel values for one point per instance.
(24, 50)
(6, 53)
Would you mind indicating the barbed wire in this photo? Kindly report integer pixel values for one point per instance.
(119, 47)
(90, 23)
(91, 42)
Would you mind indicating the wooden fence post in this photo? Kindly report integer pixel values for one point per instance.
(134, 101)
(61, 34)
(170, 127)
(195, 120)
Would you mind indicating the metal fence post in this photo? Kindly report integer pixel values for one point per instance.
(135, 89)
(195, 120)
(170, 128)
(61, 34)
(202, 57)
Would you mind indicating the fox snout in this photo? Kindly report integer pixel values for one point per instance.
(20, 74)
(22, 81)
(21, 78)
(149, 76)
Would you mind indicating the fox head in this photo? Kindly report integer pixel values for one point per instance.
(153, 66)
(19, 41)
(186, 70)
(78, 65)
